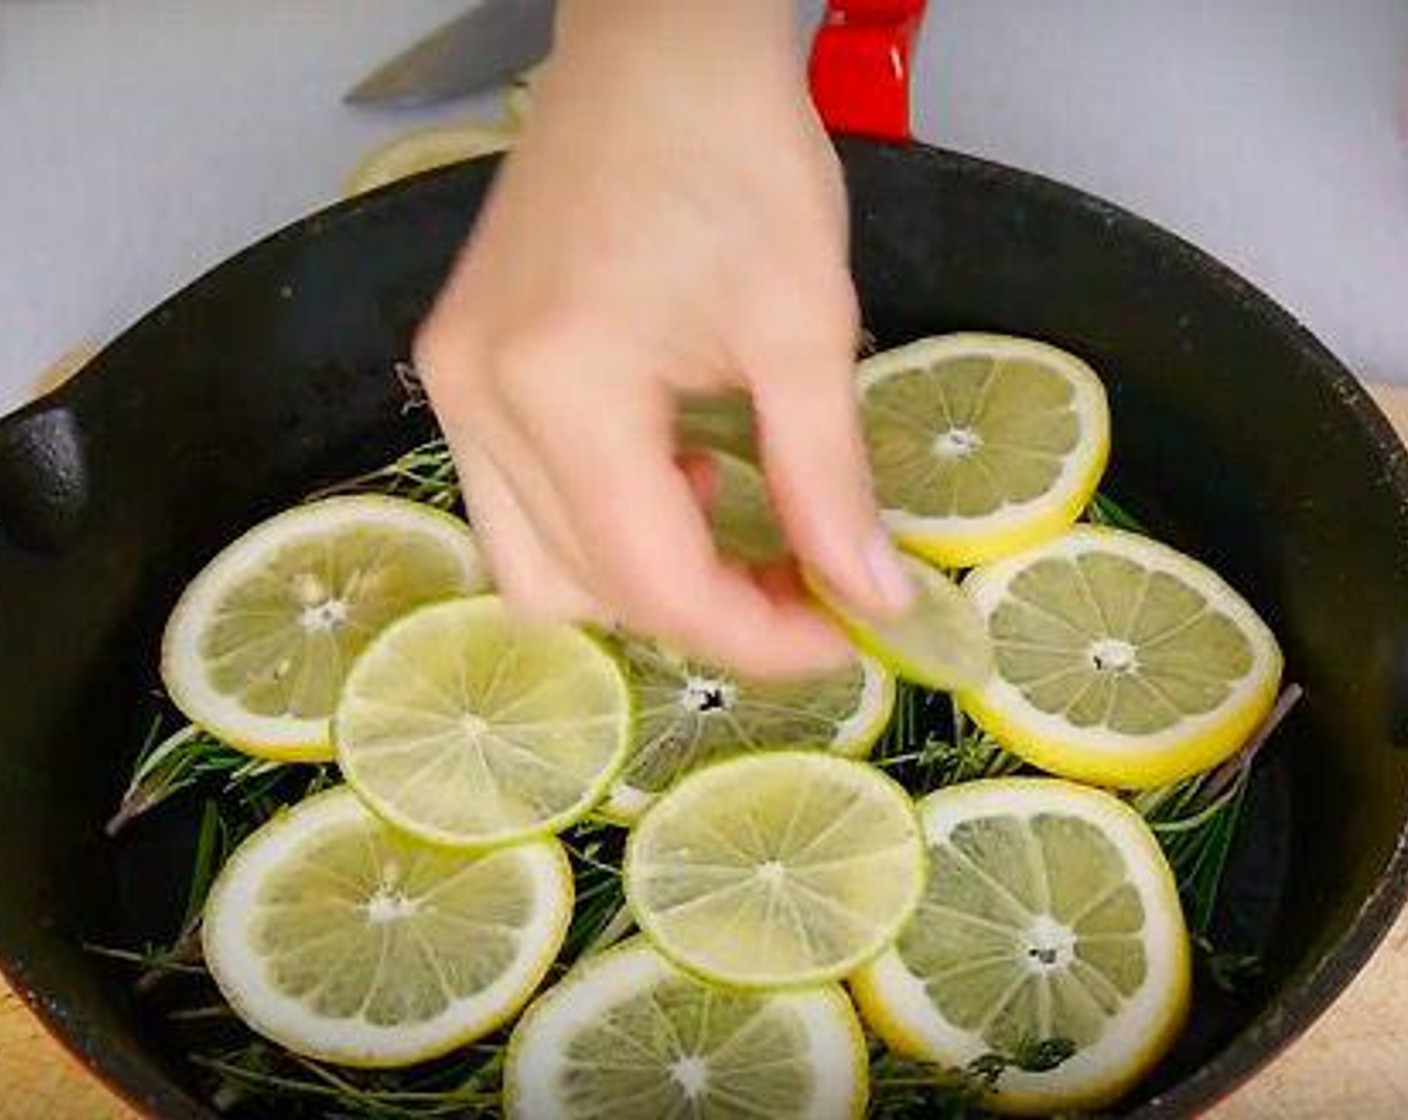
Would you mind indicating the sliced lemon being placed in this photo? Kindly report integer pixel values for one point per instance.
(1119, 661)
(64, 367)
(940, 642)
(741, 514)
(424, 150)
(464, 725)
(689, 714)
(777, 869)
(630, 1036)
(257, 646)
(723, 423)
(1050, 916)
(981, 444)
(343, 940)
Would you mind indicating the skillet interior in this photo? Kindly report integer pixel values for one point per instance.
(1236, 436)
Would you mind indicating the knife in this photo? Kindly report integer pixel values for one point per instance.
(492, 42)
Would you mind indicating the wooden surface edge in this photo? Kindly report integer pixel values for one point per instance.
(1353, 1062)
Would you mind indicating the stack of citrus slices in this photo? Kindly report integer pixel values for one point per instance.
(785, 890)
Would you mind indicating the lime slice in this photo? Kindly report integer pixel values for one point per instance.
(256, 648)
(689, 714)
(721, 423)
(786, 868)
(463, 725)
(1119, 661)
(629, 1036)
(424, 150)
(982, 444)
(940, 643)
(340, 939)
(741, 516)
(1050, 915)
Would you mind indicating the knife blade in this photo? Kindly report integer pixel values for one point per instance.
(486, 46)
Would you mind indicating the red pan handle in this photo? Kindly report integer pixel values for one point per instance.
(860, 66)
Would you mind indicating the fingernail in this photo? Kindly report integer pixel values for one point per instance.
(887, 575)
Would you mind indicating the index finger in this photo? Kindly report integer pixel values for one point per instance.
(648, 542)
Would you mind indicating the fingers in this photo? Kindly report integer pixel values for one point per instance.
(815, 461)
(702, 474)
(648, 544)
(528, 575)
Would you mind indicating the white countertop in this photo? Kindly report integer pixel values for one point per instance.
(142, 142)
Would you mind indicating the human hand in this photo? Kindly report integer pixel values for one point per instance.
(674, 222)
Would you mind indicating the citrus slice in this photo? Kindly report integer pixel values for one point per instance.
(424, 150)
(630, 1036)
(341, 939)
(1050, 915)
(981, 444)
(940, 642)
(257, 646)
(786, 868)
(1119, 661)
(65, 366)
(518, 102)
(722, 423)
(464, 725)
(689, 714)
(741, 515)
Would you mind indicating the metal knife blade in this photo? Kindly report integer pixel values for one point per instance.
(491, 43)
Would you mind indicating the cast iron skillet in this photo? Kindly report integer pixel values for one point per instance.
(1237, 436)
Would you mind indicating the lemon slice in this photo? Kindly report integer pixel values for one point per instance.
(66, 366)
(981, 444)
(518, 102)
(630, 1036)
(257, 646)
(343, 940)
(741, 516)
(424, 150)
(689, 714)
(940, 642)
(1119, 661)
(465, 726)
(786, 868)
(1050, 914)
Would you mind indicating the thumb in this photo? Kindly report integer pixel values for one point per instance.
(814, 458)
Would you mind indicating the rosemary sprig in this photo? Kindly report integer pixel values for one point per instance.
(930, 743)
(425, 474)
(600, 916)
(901, 1088)
(212, 847)
(247, 789)
(1104, 510)
(1196, 819)
(170, 761)
(468, 1084)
